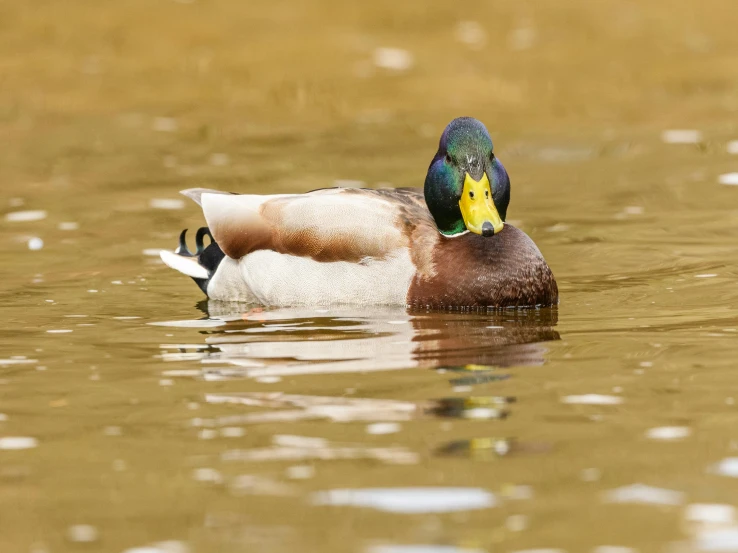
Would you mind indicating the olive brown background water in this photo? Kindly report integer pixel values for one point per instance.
(137, 417)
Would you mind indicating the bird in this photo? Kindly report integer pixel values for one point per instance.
(446, 246)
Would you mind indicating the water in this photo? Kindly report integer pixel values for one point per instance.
(136, 417)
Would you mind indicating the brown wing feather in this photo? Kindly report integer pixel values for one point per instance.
(326, 225)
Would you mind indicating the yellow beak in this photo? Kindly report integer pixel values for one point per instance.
(477, 207)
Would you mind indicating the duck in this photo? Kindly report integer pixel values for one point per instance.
(445, 246)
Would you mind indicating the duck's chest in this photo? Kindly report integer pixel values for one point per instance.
(472, 271)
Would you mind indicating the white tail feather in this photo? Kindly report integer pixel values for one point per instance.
(186, 265)
(195, 194)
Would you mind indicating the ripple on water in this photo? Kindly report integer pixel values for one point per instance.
(592, 399)
(730, 179)
(17, 361)
(300, 472)
(409, 500)
(710, 513)
(35, 243)
(723, 540)
(207, 474)
(395, 59)
(166, 203)
(308, 448)
(417, 548)
(681, 136)
(641, 493)
(171, 546)
(26, 216)
(83, 533)
(194, 323)
(540, 550)
(383, 428)
(18, 442)
(668, 433)
(727, 467)
(270, 345)
(491, 448)
(305, 407)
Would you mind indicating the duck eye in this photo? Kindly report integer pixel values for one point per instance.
(471, 194)
(448, 158)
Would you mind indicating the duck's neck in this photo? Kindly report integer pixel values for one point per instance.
(456, 230)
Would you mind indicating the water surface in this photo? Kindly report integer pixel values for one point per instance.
(137, 415)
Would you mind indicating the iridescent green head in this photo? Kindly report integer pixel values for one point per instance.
(466, 187)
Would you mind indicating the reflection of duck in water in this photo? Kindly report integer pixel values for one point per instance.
(505, 339)
(445, 247)
(287, 341)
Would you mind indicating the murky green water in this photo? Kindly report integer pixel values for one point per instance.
(136, 417)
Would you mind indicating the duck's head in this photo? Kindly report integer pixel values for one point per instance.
(466, 187)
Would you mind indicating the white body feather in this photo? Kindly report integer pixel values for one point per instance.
(279, 279)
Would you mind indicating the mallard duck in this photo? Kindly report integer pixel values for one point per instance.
(444, 247)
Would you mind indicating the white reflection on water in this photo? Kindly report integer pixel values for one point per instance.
(712, 527)
(668, 433)
(700, 515)
(300, 472)
(386, 412)
(304, 448)
(26, 216)
(83, 533)
(396, 548)
(18, 442)
(17, 361)
(248, 342)
(198, 323)
(252, 484)
(379, 428)
(681, 136)
(724, 540)
(338, 409)
(409, 500)
(171, 546)
(266, 345)
(592, 399)
(540, 550)
(640, 493)
(727, 467)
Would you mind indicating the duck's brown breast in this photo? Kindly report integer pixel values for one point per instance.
(505, 270)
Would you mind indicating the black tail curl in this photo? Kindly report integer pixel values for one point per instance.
(208, 256)
(202, 232)
(182, 248)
